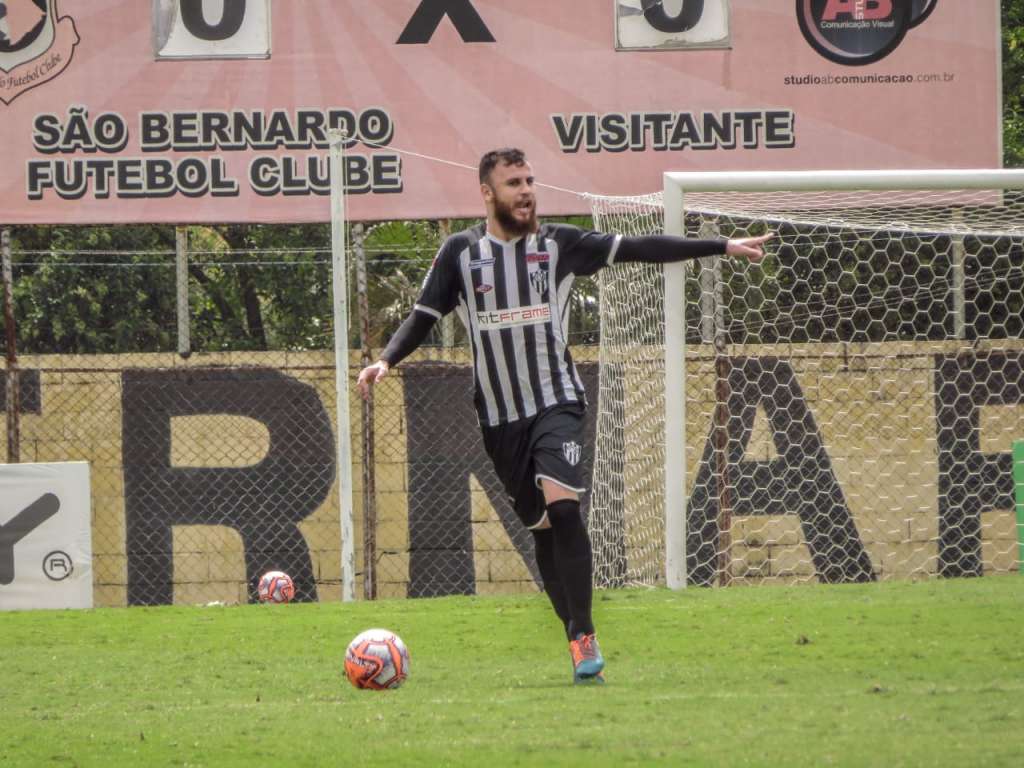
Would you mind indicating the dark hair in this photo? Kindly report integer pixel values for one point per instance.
(506, 156)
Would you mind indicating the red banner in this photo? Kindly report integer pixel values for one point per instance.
(128, 111)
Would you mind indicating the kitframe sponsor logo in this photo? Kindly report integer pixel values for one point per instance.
(859, 32)
(36, 45)
(497, 319)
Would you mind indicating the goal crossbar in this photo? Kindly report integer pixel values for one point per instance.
(823, 181)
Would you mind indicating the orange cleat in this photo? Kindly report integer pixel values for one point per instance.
(587, 661)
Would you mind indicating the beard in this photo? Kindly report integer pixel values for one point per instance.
(505, 214)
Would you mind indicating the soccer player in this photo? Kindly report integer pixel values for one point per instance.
(509, 281)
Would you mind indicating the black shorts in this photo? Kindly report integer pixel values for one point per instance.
(548, 445)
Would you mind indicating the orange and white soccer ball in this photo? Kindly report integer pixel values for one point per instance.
(377, 659)
(275, 587)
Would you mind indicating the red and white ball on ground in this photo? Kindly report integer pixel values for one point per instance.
(377, 659)
(275, 587)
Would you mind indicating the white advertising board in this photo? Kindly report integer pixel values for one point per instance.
(45, 536)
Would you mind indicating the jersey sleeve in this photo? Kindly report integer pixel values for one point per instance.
(440, 292)
(584, 252)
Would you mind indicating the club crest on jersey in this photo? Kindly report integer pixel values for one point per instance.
(572, 452)
(539, 280)
(36, 45)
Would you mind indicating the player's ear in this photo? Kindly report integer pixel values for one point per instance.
(486, 192)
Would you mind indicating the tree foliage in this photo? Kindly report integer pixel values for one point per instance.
(1013, 83)
(92, 289)
(114, 289)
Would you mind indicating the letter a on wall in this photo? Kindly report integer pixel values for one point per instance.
(211, 29)
(800, 481)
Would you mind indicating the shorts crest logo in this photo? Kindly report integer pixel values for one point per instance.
(858, 32)
(572, 452)
(36, 45)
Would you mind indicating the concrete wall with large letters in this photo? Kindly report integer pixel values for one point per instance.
(849, 463)
(193, 473)
(94, 408)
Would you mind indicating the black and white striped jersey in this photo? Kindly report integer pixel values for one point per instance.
(513, 298)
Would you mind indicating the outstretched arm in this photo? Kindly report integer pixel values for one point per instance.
(409, 335)
(666, 249)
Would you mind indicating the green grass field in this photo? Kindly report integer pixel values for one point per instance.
(893, 674)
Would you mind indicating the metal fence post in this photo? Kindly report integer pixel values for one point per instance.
(13, 406)
(448, 321)
(369, 451)
(181, 273)
(339, 285)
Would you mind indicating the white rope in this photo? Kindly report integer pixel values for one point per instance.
(456, 164)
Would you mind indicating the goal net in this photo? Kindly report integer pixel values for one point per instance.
(842, 411)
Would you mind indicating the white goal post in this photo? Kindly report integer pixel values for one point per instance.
(819, 399)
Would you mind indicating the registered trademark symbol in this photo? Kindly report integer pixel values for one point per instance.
(57, 565)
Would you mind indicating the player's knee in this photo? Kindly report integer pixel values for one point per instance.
(565, 513)
(544, 524)
(570, 532)
(556, 492)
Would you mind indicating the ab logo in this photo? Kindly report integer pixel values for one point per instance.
(858, 32)
(36, 45)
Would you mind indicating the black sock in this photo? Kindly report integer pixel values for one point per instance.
(574, 561)
(544, 547)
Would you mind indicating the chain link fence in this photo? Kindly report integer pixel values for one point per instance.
(194, 370)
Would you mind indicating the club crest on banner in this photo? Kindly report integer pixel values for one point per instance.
(36, 45)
